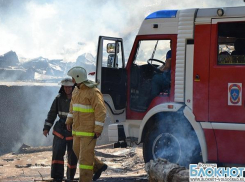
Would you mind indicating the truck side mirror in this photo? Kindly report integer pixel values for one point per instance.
(111, 48)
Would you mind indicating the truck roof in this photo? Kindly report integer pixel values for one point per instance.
(169, 21)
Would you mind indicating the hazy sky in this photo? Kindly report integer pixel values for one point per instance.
(65, 29)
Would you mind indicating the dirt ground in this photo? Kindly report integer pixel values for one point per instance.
(33, 164)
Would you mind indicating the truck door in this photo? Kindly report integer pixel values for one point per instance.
(111, 73)
(227, 87)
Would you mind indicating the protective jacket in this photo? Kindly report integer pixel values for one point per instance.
(60, 107)
(87, 111)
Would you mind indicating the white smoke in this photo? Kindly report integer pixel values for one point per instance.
(57, 29)
(66, 29)
(35, 112)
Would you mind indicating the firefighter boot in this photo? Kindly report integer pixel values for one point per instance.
(98, 173)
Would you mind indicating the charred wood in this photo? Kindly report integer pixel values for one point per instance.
(28, 149)
(161, 170)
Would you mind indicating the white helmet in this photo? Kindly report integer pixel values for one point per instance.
(78, 73)
(66, 82)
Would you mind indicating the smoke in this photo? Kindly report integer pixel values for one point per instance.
(23, 112)
(63, 30)
(35, 114)
(175, 140)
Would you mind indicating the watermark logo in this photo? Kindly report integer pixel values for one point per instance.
(210, 172)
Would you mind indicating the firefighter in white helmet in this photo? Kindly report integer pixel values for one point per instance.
(62, 137)
(87, 116)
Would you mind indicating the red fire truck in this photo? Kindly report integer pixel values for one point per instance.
(199, 115)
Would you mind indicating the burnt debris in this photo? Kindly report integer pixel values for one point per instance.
(40, 69)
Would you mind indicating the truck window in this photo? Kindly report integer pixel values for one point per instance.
(112, 59)
(231, 43)
(146, 49)
(144, 86)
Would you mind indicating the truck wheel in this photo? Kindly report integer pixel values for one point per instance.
(175, 141)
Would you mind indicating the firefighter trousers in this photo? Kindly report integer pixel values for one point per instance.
(88, 162)
(59, 148)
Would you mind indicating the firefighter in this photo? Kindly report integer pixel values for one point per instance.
(62, 137)
(86, 117)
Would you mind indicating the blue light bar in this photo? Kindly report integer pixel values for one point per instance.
(162, 14)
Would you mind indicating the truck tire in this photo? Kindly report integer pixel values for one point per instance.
(174, 140)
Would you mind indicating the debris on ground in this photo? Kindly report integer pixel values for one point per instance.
(28, 149)
(34, 164)
(51, 180)
(164, 171)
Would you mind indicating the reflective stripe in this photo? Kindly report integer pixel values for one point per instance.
(49, 124)
(63, 113)
(86, 167)
(69, 138)
(99, 123)
(82, 108)
(71, 167)
(70, 115)
(58, 135)
(79, 133)
(57, 162)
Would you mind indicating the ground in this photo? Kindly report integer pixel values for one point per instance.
(33, 164)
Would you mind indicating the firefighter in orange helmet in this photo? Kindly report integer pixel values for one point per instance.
(87, 116)
(62, 137)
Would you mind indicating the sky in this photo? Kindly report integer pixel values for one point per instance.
(65, 29)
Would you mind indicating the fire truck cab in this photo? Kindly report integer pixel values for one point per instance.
(199, 113)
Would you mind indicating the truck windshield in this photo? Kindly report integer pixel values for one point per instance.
(146, 49)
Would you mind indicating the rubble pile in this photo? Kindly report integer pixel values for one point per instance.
(161, 170)
(9, 59)
(40, 69)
